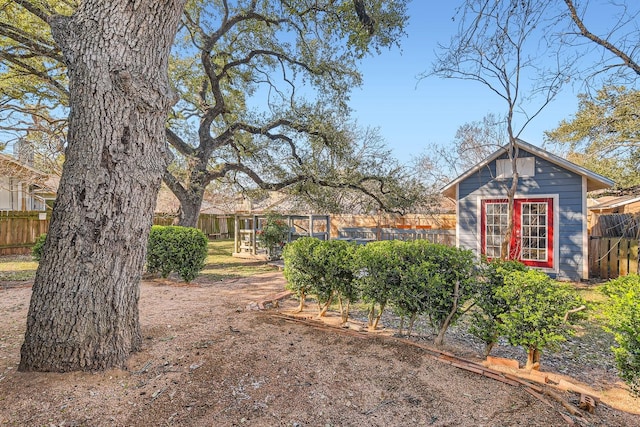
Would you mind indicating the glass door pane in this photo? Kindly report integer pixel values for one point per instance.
(496, 222)
(533, 231)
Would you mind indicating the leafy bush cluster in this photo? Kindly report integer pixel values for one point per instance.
(176, 249)
(525, 306)
(441, 283)
(415, 278)
(623, 320)
(537, 309)
(486, 318)
(321, 268)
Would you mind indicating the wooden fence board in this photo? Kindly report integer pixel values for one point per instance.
(212, 225)
(623, 257)
(594, 251)
(603, 259)
(612, 257)
(634, 262)
(614, 247)
(19, 230)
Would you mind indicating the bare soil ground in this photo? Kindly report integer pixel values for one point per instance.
(207, 360)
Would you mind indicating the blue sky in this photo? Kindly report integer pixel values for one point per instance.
(412, 114)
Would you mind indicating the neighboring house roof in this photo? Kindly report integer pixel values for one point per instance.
(20, 168)
(614, 202)
(594, 181)
(44, 185)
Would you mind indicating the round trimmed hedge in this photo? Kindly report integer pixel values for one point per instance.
(176, 249)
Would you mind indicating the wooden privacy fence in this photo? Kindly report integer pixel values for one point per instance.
(436, 221)
(365, 234)
(610, 257)
(19, 230)
(214, 226)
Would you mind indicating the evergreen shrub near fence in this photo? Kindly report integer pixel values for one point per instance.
(176, 249)
(37, 249)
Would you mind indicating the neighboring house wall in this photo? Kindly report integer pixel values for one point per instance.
(631, 207)
(18, 196)
(6, 195)
(12, 195)
(550, 181)
(21, 186)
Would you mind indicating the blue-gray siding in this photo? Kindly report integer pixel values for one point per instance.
(549, 179)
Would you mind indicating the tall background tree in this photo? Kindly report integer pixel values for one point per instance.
(473, 142)
(498, 44)
(263, 102)
(34, 93)
(604, 134)
(264, 88)
(615, 45)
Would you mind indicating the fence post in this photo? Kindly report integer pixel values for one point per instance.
(614, 258)
(634, 262)
(623, 256)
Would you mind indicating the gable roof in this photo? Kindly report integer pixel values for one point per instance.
(594, 181)
(20, 168)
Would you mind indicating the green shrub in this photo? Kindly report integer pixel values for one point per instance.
(336, 276)
(416, 277)
(449, 274)
(376, 269)
(37, 249)
(176, 249)
(537, 306)
(301, 268)
(623, 319)
(486, 316)
(273, 235)
(408, 298)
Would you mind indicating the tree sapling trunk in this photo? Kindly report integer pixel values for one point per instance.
(447, 321)
(533, 358)
(303, 297)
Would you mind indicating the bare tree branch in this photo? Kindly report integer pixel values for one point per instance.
(626, 59)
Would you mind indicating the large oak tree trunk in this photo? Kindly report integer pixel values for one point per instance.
(190, 195)
(190, 212)
(84, 308)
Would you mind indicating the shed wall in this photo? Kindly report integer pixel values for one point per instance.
(549, 180)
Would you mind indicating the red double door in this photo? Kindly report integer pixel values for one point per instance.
(532, 239)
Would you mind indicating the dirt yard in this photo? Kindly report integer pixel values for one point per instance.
(208, 360)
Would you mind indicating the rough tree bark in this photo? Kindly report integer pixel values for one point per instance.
(191, 195)
(84, 308)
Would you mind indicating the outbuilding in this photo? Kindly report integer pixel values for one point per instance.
(550, 209)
